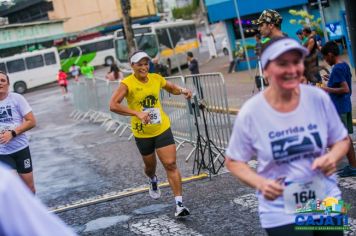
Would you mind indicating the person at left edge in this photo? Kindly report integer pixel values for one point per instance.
(16, 118)
(150, 124)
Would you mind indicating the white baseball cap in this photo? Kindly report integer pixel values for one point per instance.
(280, 46)
(138, 55)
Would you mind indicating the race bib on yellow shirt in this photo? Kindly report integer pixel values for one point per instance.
(155, 115)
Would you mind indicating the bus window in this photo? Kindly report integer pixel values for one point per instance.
(50, 58)
(3, 67)
(34, 62)
(104, 45)
(15, 65)
(122, 52)
(89, 48)
(148, 44)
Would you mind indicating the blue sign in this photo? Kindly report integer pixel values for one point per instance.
(334, 30)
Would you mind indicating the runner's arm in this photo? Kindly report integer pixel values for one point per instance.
(328, 162)
(270, 189)
(177, 90)
(116, 99)
(28, 123)
(117, 107)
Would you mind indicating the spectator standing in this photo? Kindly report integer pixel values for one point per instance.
(340, 89)
(159, 68)
(114, 73)
(311, 62)
(238, 55)
(258, 45)
(269, 25)
(74, 71)
(16, 118)
(87, 70)
(193, 64)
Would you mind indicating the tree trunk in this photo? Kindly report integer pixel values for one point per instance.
(126, 19)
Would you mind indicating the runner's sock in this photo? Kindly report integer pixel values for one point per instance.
(178, 199)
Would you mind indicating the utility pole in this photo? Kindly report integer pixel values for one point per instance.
(323, 20)
(126, 20)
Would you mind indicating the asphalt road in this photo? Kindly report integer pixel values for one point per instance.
(79, 160)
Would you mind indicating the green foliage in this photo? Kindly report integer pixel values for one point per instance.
(301, 17)
(186, 12)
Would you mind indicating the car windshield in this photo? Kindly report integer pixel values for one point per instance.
(146, 43)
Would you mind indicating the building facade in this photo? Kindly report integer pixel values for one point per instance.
(249, 11)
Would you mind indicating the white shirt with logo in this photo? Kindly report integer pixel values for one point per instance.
(286, 144)
(12, 110)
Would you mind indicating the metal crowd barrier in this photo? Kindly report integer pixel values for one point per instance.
(92, 97)
(177, 110)
(210, 90)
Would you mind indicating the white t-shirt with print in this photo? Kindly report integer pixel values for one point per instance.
(286, 144)
(12, 110)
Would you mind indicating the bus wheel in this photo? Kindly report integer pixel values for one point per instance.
(109, 61)
(20, 87)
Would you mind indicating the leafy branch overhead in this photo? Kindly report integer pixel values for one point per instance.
(302, 18)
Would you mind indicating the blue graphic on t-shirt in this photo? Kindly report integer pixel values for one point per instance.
(296, 146)
(5, 114)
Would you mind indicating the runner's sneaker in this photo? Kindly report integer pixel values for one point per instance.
(154, 191)
(347, 171)
(181, 210)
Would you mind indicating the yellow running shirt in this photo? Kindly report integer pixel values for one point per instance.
(145, 97)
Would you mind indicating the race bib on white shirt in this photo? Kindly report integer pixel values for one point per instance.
(298, 193)
(155, 115)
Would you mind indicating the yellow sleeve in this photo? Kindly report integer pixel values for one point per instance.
(163, 81)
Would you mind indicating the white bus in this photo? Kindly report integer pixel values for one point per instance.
(97, 51)
(31, 69)
(169, 41)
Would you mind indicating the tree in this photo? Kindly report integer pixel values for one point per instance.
(306, 19)
(126, 19)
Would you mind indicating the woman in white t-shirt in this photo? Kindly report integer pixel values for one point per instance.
(16, 118)
(299, 122)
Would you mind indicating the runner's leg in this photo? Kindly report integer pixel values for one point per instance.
(167, 155)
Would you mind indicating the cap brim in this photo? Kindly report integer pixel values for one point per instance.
(136, 57)
(279, 47)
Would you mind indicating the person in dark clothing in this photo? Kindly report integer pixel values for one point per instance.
(194, 69)
(159, 68)
(192, 64)
(311, 61)
(339, 87)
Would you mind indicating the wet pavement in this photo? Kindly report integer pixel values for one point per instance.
(79, 160)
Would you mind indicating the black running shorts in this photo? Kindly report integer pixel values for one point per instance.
(20, 161)
(147, 146)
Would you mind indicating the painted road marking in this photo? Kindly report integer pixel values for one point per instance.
(163, 225)
(117, 195)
